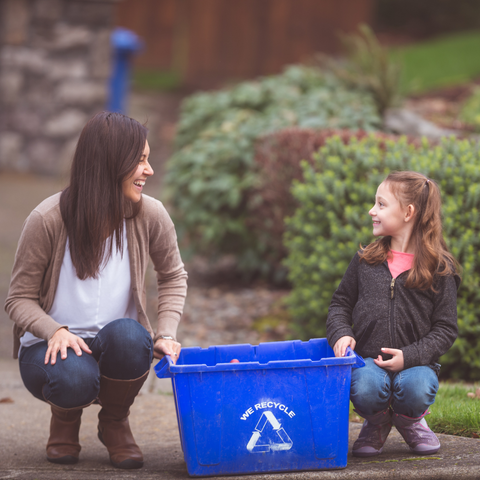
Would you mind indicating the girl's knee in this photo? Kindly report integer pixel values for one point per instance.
(370, 389)
(414, 391)
(369, 401)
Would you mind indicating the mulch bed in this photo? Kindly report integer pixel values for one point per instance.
(442, 107)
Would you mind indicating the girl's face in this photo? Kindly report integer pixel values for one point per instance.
(133, 185)
(389, 217)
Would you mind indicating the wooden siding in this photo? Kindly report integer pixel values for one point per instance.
(212, 41)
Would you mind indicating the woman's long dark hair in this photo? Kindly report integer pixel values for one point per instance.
(93, 206)
(431, 252)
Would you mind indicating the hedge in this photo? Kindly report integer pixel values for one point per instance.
(277, 164)
(212, 170)
(332, 220)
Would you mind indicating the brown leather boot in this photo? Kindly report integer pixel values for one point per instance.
(116, 397)
(62, 445)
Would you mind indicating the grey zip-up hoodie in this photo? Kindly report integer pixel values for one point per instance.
(380, 312)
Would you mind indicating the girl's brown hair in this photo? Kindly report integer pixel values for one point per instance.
(431, 252)
(93, 206)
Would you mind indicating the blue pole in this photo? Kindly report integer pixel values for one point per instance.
(125, 44)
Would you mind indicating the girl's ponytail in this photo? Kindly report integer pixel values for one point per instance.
(431, 252)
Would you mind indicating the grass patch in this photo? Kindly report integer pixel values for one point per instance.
(156, 80)
(453, 412)
(446, 61)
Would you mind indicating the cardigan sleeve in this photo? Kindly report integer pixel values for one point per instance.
(171, 275)
(339, 320)
(443, 330)
(32, 259)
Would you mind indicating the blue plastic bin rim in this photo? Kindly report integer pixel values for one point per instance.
(165, 368)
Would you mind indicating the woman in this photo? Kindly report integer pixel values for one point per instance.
(77, 292)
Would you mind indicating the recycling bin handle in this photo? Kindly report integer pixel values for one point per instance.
(162, 368)
(359, 361)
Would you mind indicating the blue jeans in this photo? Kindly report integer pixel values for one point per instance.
(122, 350)
(409, 392)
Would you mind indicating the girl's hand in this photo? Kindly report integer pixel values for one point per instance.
(341, 346)
(60, 341)
(164, 347)
(395, 364)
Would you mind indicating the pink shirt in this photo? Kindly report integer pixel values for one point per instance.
(399, 262)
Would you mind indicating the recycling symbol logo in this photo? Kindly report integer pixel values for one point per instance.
(269, 436)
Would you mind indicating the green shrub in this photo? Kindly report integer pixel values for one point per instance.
(277, 163)
(470, 112)
(332, 220)
(211, 172)
(369, 66)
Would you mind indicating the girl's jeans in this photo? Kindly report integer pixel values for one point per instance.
(409, 392)
(122, 350)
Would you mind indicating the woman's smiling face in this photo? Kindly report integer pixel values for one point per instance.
(133, 185)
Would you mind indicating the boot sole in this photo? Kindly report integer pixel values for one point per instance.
(366, 454)
(128, 464)
(66, 460)
(425, 452)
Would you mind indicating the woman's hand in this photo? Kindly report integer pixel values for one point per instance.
(164, 347)
(60, 341)
(341, 346)
(395, 364)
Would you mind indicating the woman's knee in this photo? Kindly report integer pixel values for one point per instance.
(70, 383)
(124, 349)
(79, 387)
(125, 334)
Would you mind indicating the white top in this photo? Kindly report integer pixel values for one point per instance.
(86, 306)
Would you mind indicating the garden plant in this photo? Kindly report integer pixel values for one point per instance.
(277, 164)
(470, 112)
(213, 169)
(368, 65)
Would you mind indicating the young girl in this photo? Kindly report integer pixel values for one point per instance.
(77, 293)
(397, 306)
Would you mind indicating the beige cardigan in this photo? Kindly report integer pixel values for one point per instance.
(39, 257)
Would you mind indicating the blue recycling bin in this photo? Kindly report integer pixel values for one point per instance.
(283, 407)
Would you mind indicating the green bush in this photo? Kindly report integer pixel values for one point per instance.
(213, 169)
(470, 112)
(332, 220)
(370, 66)
(277, 163)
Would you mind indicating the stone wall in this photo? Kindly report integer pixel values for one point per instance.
(55, 61)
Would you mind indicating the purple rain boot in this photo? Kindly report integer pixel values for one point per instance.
(416, 433)
(374, 432)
